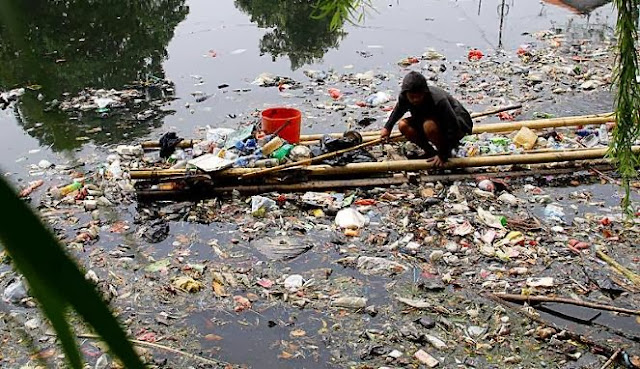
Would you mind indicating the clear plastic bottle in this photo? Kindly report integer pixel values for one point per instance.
(603, 134)
(591, 140)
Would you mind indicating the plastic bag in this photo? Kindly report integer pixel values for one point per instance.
(350, 218)
(378, 98)
(218, 135)
(491, 220)
(554, 211)
(260, 205)
(115, 169)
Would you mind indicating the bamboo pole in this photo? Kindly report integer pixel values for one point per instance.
(156, 144)
(506, 127)
(530, 299)
(509, 126)
(324, 185)
(490, 127)
(420, 165)
(412, 165)
(397, 179)
(613, 357)
(311, 160)
(157, 173)
(631, 276)
(499, 127)
(600, 164)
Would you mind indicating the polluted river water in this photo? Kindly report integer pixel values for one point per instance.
(412, 280)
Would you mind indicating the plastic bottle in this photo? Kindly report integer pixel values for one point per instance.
(266, 163)
(282, 152)
(60, 192)
(272, 146)
(241, 162)
(591, 140)
(603, 134)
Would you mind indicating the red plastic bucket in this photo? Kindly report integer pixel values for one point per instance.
(274, 118)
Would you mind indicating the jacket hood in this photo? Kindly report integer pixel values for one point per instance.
(414, 82)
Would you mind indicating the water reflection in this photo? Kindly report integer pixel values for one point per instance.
(583, 7)
(64, 46)
(294, 32)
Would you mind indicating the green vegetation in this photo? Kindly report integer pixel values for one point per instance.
(340, 11)
(627, 108)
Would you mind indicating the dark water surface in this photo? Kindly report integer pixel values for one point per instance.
(109, 45)
(70, 47)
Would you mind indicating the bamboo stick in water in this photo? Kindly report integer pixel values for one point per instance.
(415, 165)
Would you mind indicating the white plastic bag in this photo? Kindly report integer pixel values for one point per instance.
(350, 218)
(218, 135)
(260, 205)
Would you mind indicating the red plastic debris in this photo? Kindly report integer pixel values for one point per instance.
(365, 202)
(266, 283)
(147, 337)
(475, 54)
(335, 93)
(506, 116)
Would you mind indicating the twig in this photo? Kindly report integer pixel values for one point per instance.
(495, 111)
(161, 347)
(611, 359)
(631, 276)
(536, 318)
(585, 289)
(605, 177)
(530, 299)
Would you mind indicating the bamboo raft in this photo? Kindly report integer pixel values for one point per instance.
(158, 182)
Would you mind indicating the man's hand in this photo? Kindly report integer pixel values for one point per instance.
(437, 162)
(384, 134)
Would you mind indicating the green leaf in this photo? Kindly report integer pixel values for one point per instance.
(55, 310)
(56, 280)
(158, 266)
